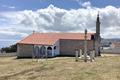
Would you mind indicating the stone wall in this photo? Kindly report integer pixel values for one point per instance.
(67, 47)
(24, 50)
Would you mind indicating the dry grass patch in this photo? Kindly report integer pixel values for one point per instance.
(60, 68)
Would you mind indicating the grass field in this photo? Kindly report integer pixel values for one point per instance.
(61, 68)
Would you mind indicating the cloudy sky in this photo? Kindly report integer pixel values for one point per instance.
(18, 18)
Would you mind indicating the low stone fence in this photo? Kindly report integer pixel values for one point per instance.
(7, 54)
(111, 51)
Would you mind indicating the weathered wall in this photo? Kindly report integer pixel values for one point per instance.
(64, 48)
(67, 47)
(57, 51)
(24, 50)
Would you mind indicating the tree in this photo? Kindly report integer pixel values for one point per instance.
(12, 48)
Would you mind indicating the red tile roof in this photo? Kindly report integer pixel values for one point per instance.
(51, 38)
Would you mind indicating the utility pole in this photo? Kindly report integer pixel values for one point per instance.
(85, 46)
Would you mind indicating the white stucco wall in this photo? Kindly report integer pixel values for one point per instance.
(57, 51)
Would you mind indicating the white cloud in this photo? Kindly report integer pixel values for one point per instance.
(7, 6)
(53, 19)
(86, 4)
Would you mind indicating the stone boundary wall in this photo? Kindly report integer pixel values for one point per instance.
(111, 51)
(7, 54)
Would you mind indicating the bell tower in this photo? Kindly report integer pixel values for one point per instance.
(98, 26)
(97, 36)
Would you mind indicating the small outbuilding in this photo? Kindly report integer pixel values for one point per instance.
(53, 44)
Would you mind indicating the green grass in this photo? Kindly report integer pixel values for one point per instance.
(60, 68)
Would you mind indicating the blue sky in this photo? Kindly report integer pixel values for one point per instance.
(18, 18)
(16, 5)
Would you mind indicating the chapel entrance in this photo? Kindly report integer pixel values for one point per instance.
(42, 51)
(49, 51)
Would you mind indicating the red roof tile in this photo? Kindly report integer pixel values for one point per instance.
(51, 38)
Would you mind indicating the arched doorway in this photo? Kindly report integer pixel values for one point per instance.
(49, 51)
(54, 47)
(36, 54)
(55, 51)
(42, 51)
